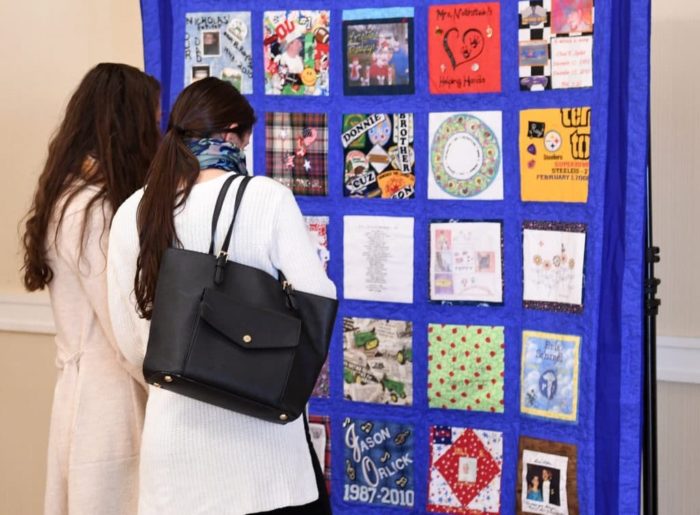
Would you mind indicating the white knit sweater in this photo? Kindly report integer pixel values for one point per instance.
(197, 458)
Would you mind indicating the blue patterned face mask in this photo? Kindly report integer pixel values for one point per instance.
(218, 153)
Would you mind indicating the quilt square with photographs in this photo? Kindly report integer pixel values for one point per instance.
(379, 156)
(466, 158)
(296, 152)
(550, 375)
(378, 51)
(218, 44)
(464, 48)
(555, 44)
(466, 262)
(465, 471)
(297, 52)
(466, 367)
(378, 361)
(378, 468)
(553, 259)
(547, 481)
(320, 432)
(318, 231)
(555, 154)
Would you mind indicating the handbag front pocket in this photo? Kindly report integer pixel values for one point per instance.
(242, 349)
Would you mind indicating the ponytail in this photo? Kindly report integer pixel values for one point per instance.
(170, 178)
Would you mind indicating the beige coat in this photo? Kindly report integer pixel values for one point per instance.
(99, 399)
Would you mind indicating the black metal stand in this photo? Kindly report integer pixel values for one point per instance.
(651, 304)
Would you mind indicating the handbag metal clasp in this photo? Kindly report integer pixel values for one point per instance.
(289, 291)
(220, 265)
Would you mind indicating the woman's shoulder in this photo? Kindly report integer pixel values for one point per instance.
(78, 212)
(261, 185)
(273, 198)
(127, 211)
(76, 200)
(268, 186)
(124, 221)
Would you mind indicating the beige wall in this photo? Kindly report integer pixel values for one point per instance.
(676, 184)
(67, 37)
(676, 160)
(46, 46)
(26, 391)
(679, 427)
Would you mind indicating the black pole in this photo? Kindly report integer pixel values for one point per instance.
(651, 306)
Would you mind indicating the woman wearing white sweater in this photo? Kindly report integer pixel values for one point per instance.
(197, 458)
(98, 157)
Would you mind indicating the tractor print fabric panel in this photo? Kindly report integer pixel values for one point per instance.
(378, 361)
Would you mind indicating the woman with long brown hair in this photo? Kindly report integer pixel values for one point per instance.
(98, 157)
(196, 457)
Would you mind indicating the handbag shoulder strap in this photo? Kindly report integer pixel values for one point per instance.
(239, 198)
(217, 212)
(217, 209)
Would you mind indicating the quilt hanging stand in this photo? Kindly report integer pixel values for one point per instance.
(651, 307)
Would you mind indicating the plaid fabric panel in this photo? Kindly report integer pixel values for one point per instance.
(326, 458)
(297, 151)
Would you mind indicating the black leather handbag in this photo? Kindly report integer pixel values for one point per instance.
(234, 336)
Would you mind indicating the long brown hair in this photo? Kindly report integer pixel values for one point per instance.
(205, 108)
(107, 139)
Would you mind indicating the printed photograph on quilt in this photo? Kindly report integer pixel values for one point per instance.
(553, 263)
(549, 380)
(318, 232)
(546, 481)
(378, 468)
(464, 48)
(378, 51)
(219, 44)
(296, 151)
(555, 154)
(466, 262)
(378, 361)
(555, 44)
(296, 52)
(465, 471)
(466, 367)
(466, 158)
(379, 156)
